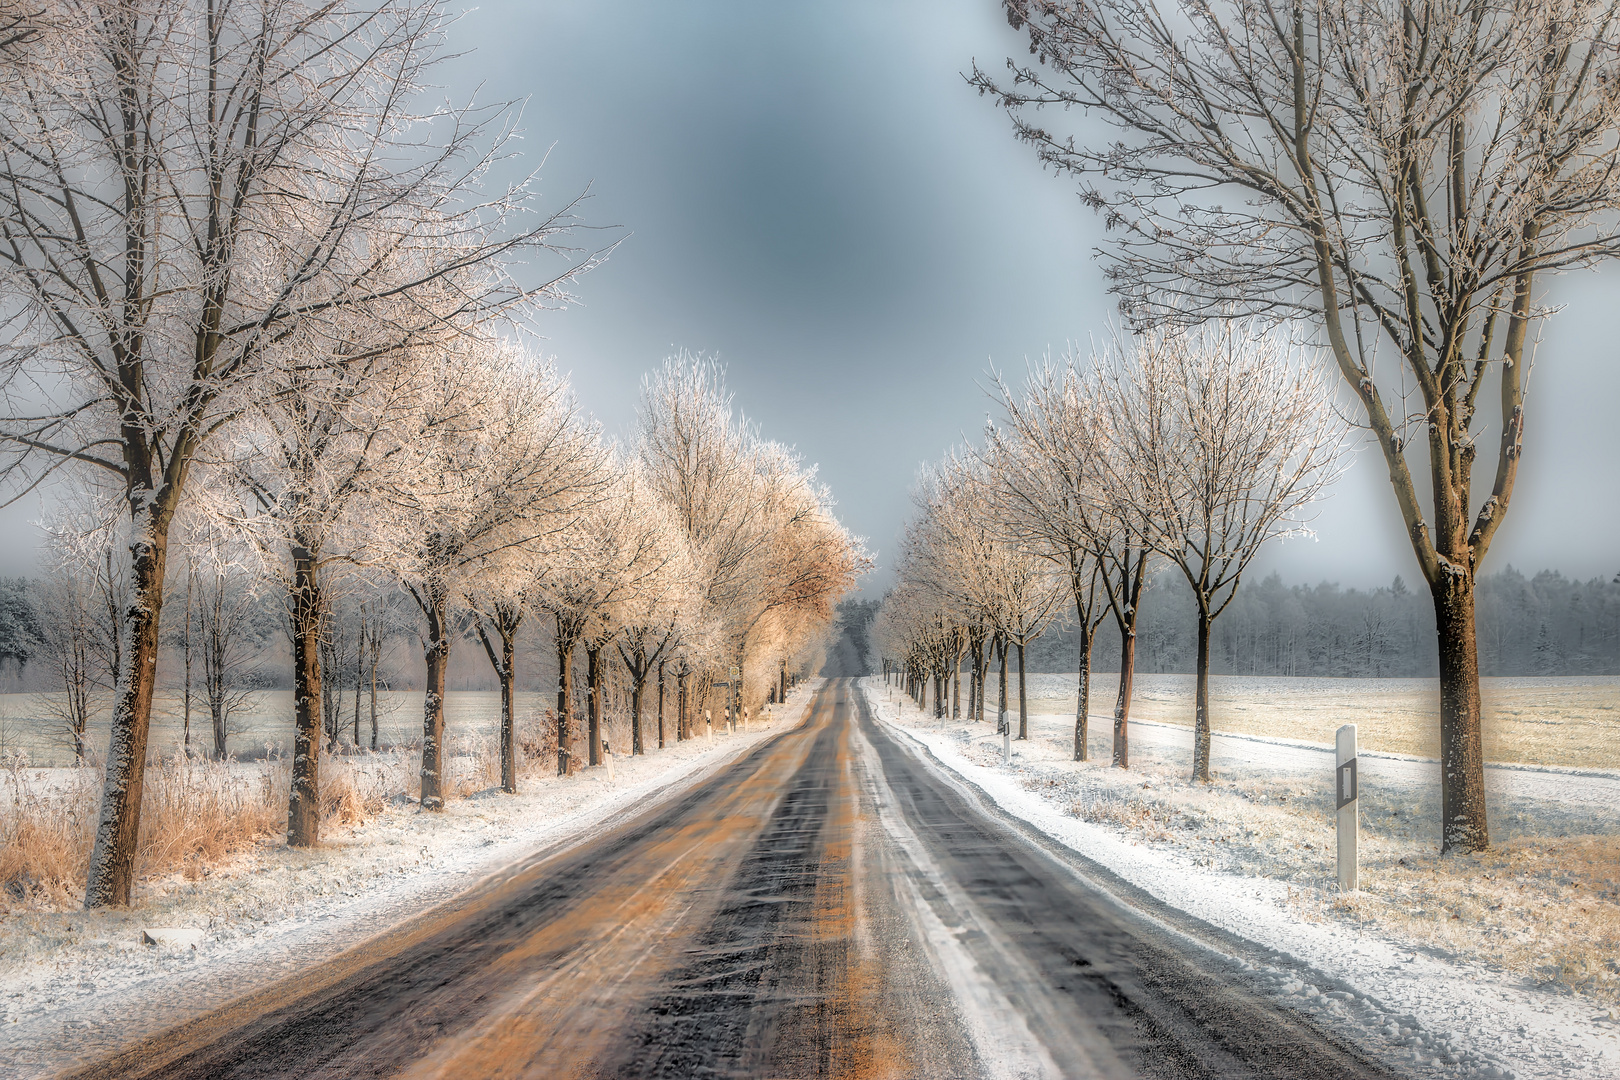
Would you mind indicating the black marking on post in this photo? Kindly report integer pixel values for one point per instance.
(1347, 784)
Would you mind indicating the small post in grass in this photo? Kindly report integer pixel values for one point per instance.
(1345, 790)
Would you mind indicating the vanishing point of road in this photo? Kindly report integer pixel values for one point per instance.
(827, 905)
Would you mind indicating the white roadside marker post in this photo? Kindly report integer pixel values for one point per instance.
(1345, 790)
(607, 755)
(1006, 738)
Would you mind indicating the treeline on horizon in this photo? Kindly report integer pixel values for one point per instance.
(1544, 624)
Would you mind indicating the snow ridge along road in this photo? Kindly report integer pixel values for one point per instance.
(831, 904)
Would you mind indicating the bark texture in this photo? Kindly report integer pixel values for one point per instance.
(1082, 708)
(112, 858)
(1462, 757)
(437, 658)
(1122, 706)
(304, 800)
(1201, 724)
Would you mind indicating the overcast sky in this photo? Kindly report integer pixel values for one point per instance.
(812, 192)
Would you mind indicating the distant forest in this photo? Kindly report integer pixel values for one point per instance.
(1542, 625)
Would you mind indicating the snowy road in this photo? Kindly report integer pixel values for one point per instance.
(831, 905)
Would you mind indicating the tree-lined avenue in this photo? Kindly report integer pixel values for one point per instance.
(827, 905)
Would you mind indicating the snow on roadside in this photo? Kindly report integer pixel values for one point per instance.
(75, 986)
(1432, 1012)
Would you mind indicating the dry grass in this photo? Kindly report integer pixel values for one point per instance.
(474, 761)
(1546, 908)
(195, 814)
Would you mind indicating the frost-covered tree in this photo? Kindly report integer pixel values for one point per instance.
(627, 549)
(305, 464)
(187, 182)
(1224, 436)
(661, 615)
(496, 458)
(1405, 177)
(79, 598)
(1043, 465)
(1050, 461)
(575, 476)
(764, 542)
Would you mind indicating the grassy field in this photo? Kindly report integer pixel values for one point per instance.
(1570, 721)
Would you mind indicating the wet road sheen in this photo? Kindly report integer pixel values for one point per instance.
(827, 905)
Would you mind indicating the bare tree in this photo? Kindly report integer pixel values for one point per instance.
(1224, 438)
(1052, 460)
(230, 630)
(496, 452)
(1404, 176)
(78, 598)
(1044, 468)
(569, 478)
(184, 184)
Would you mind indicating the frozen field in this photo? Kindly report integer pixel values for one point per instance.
(1542, 721)
(27, 722)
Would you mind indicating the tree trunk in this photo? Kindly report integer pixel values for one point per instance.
(359, 675)
(781, 694)
(660, 704)
(186, 724)
(304, 801)
(565, 697)
(956, 688)
(735, 708)
(682, 732)
(638, 682)
(593, 700)
(1122, 707)
(508, 721)
(214, 673)
(112, 858)
(376, 654)
(1001, 713)
(437, 656)
(1201, 720)
(1023, 698)
(1462, 754)
(1082, 707)
(981, 676)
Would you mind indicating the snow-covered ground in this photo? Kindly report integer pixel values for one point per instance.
(75, 985)
(1468, 965)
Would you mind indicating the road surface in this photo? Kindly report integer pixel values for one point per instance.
(827, 906)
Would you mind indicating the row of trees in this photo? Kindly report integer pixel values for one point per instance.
(1178, 450)
(1403, 180)
(1545, 624)
(260, 301)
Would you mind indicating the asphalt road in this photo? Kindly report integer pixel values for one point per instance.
(827, 906)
